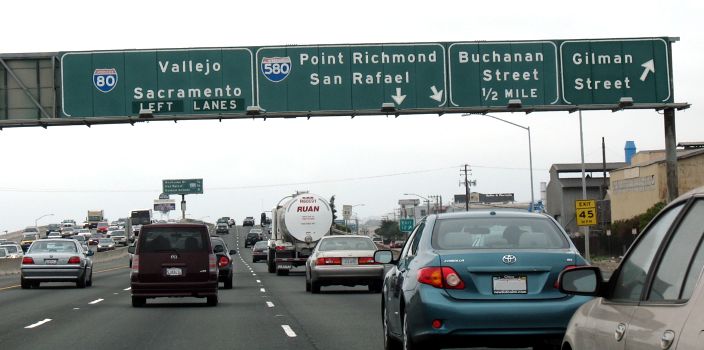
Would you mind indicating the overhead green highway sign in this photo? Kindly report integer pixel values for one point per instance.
(365, 79)
(493, 73)
(351, 77)
(604, 71)
(124, 83)
(182, 186)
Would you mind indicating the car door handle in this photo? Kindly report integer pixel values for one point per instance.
(620, 331)
(667, 339)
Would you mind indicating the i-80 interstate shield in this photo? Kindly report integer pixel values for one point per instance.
(105, 79)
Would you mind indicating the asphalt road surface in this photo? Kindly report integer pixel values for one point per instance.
(262, 311)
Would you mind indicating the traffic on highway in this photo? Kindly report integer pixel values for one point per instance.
(482, 278)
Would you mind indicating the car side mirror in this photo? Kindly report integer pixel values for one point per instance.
(90, 253)
(584, 280)
(233, 252)
(384, 256)
(131, 249)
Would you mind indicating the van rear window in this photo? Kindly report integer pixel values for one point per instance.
(172, 239)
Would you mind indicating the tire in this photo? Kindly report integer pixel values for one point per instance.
(408, 343)
(82, 282)
(271, 267)
(90, 280)
(314, 287)
(375, 287)
(228, 282)
(25, 284)
(390, 343)
(212, 300)
(138, 301)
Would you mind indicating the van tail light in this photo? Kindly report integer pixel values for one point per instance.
(367, 260)
(440, 277)
(135, 264)
(74, 260)
(27, 260)
(329, 261)
(557, 280)
(280, 247)
(223, 261)
(212, 264)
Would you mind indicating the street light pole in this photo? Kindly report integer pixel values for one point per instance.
(39, 218)
(530, 152)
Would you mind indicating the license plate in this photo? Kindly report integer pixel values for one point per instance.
(174, 271)
(50, 261)
(349, 261)
(284, 266)
(510, 284)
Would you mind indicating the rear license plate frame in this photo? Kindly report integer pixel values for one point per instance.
(51, 261)
(284, 266)
(173, 272)
(509, 284)
(350, 261)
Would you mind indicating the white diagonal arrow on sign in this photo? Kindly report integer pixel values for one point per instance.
(649, 67)
(398, 98)
(437, 95)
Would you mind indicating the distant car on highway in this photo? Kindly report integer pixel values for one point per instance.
(67, 232)
(255, 235)
(56, 260)
(14, 250)
(344, 260)
(222, 228)
(480, 278)
(105, 244)
(29, 235)
(94, 238)
(655, 298)
(55, 235)
(173, 260)
(259, 251)
(102, 227)
(248, 221)
(82, 240)
(118, 236)
(224, 257)
(231, 222)
(53, 228)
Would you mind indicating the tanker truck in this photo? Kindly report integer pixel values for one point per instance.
(296, 226)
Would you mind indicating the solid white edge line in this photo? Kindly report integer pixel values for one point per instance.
(95, 301)
(128, 288)
(262, 290)
(39, 323)
(288, 330)
(269, 304)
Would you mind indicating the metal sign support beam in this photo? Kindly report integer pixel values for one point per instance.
(671, 154)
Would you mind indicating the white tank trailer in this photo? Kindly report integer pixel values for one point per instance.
(297, 225)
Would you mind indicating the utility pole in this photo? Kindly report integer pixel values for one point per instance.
(467, 183)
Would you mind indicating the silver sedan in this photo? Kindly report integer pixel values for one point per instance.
(344, 260)
(56, 260)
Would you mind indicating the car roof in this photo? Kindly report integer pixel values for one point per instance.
(483, 213)
(346, 236)
(178, 225)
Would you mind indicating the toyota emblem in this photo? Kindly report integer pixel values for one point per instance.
(175, 257)
(509, 259)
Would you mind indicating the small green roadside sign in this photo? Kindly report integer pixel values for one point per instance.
(183, 186)
(406, 225)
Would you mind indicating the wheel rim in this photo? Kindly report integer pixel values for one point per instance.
(386, 327)
(405, 332)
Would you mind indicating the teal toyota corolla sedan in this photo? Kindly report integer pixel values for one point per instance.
(479, 278)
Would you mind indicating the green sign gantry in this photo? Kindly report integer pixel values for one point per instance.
(182, 186)
(361, 79)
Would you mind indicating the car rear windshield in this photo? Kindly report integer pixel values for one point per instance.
(53, 247)
(118, 233)
(10, 248)
(347, 243)
(170, 239)
(260, 244)
(497, 233)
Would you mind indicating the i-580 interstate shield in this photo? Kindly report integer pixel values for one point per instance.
(351, 77)
(170, 82)
(492, 73)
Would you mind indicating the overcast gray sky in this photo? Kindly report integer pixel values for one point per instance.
(248, 165)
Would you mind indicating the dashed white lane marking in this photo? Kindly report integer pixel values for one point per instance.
(254, 274)
(76, 308)
(288, 330)
(95, 301)
(128, 288)
(269, 304)
(262, 290)
(39, 323)
(114, 293)
(258, 281)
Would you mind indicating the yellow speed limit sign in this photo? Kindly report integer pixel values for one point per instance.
(586, 212)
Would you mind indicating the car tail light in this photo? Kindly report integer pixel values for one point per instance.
(367, 260)
(280, 247)
(329, 261)
(436, 324)
(223, 261)
(74, 260)
(212, 264)
(557, 281)
(27, 260)
(440, 277)
(135, 264)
